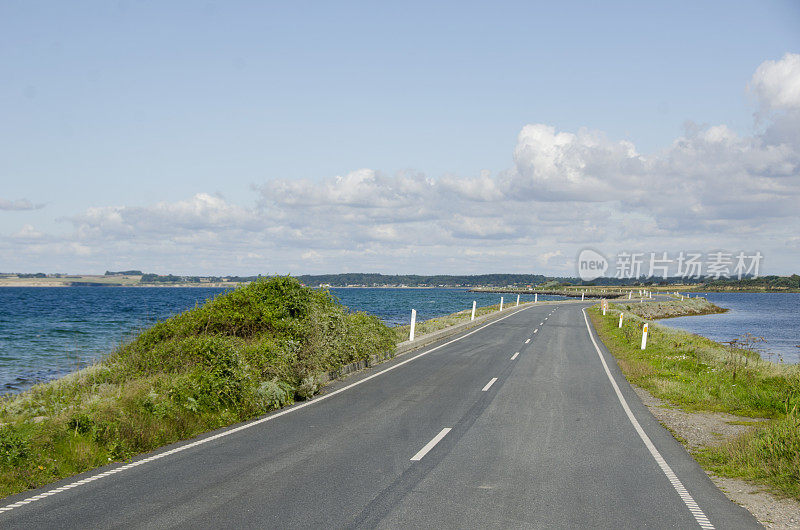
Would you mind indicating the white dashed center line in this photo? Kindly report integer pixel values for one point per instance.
(489, 384)
(430, 445)
(514, 356)
(527, 341)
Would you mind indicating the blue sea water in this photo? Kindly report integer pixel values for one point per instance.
(774, 316)
(48, 332)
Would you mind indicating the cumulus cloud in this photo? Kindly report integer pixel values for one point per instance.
(709, 188)
(558, 166)
(203, 212)
(28, 232)
(19, 204)
(776, 84)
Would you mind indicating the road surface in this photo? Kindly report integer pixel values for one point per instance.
(521, 423)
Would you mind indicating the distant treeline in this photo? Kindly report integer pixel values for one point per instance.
(484, 280)
(124, 273)
(413, 280)
(769, 283)
(169, 278)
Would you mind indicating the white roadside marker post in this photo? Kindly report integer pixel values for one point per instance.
(582, 293)
(629, 294)
(413, 324)
(501, 303)
(473, 310)
(603, 304)
(535, 298)
(517, 299)
(620, 320)
(644, 335)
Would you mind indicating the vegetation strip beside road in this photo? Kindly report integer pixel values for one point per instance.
(697, 374)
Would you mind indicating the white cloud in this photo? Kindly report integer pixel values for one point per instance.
(201, 213)
(19, 204)
(28, 232)
(710, 188)
(558, 166)
(776, 84)
(545, 258)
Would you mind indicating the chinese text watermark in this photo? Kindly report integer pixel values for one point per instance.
(689, 265)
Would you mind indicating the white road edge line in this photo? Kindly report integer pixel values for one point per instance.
(514, 356)
(687, 499)
(248, 425)
(489, 384)
(430, 445)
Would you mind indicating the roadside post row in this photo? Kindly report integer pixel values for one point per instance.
(411, 333)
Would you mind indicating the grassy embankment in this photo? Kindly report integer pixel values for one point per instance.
(670, 308)
(698, 374)
(240, 355)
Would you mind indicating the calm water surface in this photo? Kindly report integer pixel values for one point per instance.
(49, 332)
(776, 317)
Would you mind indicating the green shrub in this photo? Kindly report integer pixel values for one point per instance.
(13, 446)
(81, 423)
(274, 394)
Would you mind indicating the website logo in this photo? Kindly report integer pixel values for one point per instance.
(591, 265)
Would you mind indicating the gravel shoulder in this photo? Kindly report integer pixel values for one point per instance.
(696, 430)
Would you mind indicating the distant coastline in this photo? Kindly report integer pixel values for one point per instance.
(512, 283)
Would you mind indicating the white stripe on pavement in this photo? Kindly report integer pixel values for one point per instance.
(430, 445)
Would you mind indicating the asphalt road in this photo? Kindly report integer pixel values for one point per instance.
(540, 440)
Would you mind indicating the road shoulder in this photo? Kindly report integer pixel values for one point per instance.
(696, 430)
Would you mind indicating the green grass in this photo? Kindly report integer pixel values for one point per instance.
(697, 374)
(240, 355)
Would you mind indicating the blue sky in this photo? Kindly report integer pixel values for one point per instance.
(118, 112)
